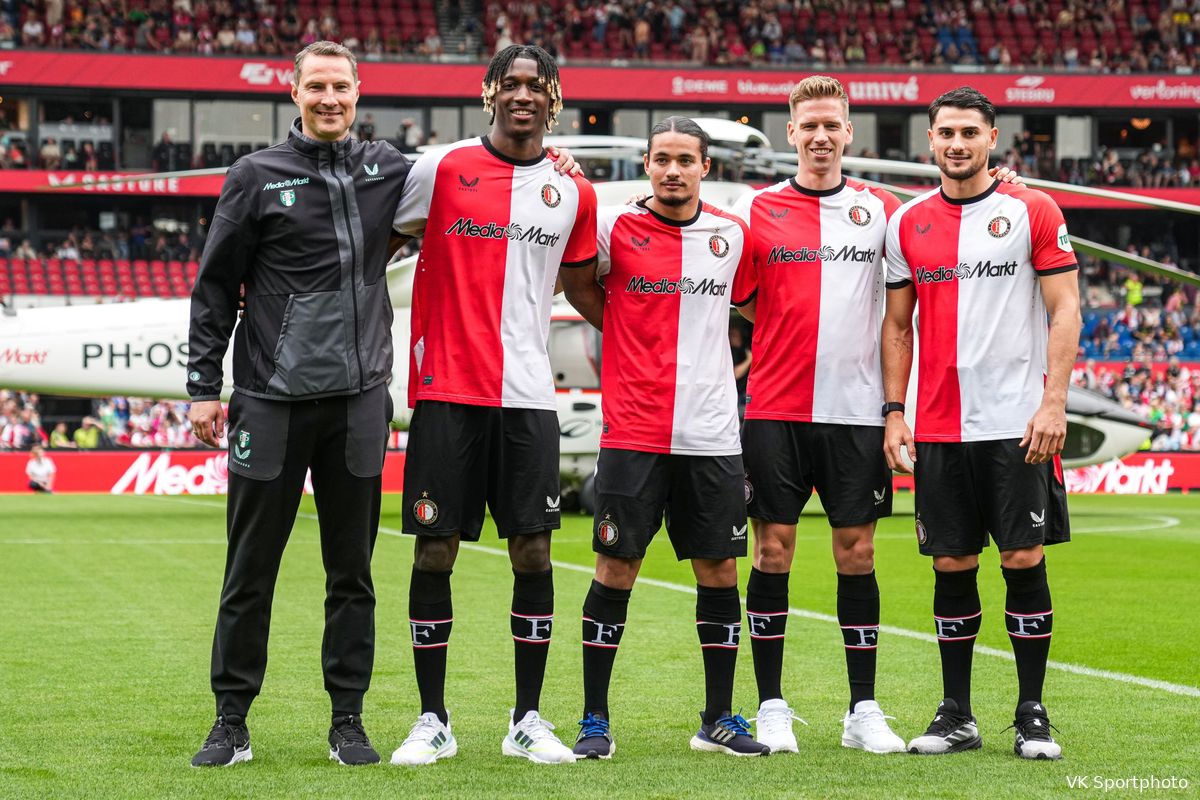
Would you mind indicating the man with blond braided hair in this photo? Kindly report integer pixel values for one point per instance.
(499, 222)
(547, 71)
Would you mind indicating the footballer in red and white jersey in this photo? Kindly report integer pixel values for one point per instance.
(496, 232)
(817, 281)
(666, 370)
(975, 265)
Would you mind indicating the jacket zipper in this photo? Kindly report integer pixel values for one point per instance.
(353, 266)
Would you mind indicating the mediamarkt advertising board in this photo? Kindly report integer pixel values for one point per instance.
(200, 472)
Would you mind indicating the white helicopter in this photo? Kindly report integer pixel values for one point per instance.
(140, 348)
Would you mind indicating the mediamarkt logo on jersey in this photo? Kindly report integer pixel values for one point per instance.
(981, 269)
(639, 284)
(467, 227)
(802, 255)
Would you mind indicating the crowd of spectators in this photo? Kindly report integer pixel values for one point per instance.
(115, 422)
(1108, 35)
(140, 241)
(1168, 399)
(212, 27)
(1161, 165)
(1143, 332)
(1100, 35)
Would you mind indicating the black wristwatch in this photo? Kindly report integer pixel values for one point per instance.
(890, 407)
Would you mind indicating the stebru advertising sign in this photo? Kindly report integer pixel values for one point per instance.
(201, 472)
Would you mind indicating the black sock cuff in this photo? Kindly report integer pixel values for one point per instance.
(533, 592)
(430, 587)
(605, 604)
(721, 605)
(858, 587)
(768, 585)
(957, 584)
(1027, 580)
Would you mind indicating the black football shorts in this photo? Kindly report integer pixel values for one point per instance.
(968, 490)
(462, 457)
(702, 498)
(786, 460)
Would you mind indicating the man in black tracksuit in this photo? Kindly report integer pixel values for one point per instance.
(303, 227)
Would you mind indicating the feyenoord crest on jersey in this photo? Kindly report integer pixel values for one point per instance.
(999, 227)
(425, 510)
(607, 532)
(550, 196)
(718, 245)
(860, 216)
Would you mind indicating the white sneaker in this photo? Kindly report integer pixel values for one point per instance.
(428, 741)
(866, 728)
(533, 738)
(773, 726)
(1033, 733)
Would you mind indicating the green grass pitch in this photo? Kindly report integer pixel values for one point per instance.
(109, 604)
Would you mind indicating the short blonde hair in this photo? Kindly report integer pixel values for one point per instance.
(324, 48)
(817, 87)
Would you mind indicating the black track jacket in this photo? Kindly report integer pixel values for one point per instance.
(304, 226)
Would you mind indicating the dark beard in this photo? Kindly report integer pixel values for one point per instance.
(969, 172)
(674, 202)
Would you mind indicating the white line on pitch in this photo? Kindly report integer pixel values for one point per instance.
(1075, 669)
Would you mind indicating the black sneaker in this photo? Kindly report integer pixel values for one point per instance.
(729, 735)
(594, 740)
(348, 742)
(1033, 733)
(950, 732)
(228, 743)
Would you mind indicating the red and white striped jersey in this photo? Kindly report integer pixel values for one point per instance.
(817, 281)
(496, 232)
(666, 367)
(981, 317)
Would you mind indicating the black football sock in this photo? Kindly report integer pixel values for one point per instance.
(532, 620)
(431, 616)
(766, 614)
(719, 626)
(604, 613)
(1030, 620)
(956, 617)
(858, 616)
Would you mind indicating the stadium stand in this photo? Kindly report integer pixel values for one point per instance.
(96, 278)
(1109, 35)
